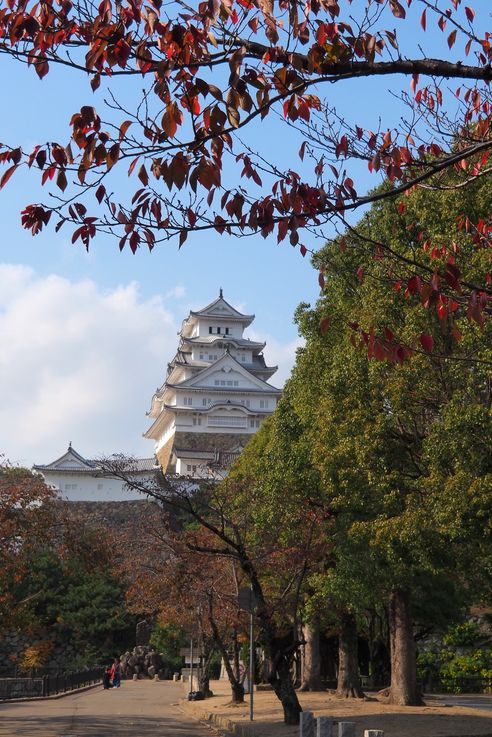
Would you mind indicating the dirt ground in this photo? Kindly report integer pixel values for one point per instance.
(432, 720)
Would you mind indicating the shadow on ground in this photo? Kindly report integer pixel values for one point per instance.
(98, 726)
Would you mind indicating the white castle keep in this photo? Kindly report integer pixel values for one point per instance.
(215, 395)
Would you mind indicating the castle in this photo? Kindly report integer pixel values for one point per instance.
(214, 398)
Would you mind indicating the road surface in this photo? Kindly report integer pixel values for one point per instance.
(471, 701)
(137, 709)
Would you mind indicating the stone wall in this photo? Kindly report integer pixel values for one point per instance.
(13, 645)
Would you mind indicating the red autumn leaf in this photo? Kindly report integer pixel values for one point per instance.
(427, 342)
(452, 38)
(61, 180)
(143, 176)
(6, 176)
(324, 324)
(100, 192)
(414, 284)
(124, 127)
(397, 9)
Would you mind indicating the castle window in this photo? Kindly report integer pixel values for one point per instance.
(227, 421)
(218, 331)
(227, 331)
(210, 329)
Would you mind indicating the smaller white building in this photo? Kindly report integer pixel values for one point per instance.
(78, 479)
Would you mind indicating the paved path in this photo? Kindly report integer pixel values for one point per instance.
(137, 709)
(472, 701)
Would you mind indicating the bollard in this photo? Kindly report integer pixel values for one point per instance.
(135, 677)
(306, 725)
(323, 726)
(346, 729)
(156, 677)
(373, 733)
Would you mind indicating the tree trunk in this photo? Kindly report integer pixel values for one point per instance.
(284, 689)
(348, 684)
(403, 689)
(311, 663)
(237, 688)
(205, 684)
(208, 652)
(237, 692)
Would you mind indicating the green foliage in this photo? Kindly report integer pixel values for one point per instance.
(82, 607)
(469, 672)
(168, 640)
(392, 456)
(462, 635)
(459, 663)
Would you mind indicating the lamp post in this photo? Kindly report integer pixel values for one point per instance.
(191, 665)
(246, 601)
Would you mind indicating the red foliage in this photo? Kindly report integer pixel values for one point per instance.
(213, 71)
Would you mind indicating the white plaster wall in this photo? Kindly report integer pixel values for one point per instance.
(90, 488)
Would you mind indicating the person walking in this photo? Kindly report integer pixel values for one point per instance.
(116, 673)
(107, 677)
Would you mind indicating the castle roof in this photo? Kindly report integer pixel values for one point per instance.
(221, 308)
(72, 462)
(227, 362)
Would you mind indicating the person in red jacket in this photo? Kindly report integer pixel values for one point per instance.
(116, 673)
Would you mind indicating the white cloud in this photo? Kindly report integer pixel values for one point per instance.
(176, 292)
(77, 363)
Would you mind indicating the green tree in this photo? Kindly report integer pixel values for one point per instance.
(402, 442)
(394, 452)
(28, 522)
(59, 582)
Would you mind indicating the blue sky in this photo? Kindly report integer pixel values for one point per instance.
(86, 336)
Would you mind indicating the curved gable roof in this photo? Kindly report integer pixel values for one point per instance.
(221, 308)
(226, 358)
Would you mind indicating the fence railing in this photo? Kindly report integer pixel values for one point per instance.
(17, 688)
